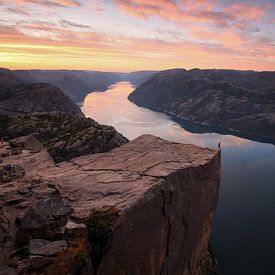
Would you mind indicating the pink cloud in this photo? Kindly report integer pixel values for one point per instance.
(56, 3)
(246, 11)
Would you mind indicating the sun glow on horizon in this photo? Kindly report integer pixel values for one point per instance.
(126, 36)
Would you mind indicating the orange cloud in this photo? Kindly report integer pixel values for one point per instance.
(91, 50)
(193, 11)
(210, 38)
(226, 37)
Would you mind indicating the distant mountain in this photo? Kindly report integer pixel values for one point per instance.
(74, 83)
(45, 111)
(16, 96)
(242, 101)
(138, 77)
(78, 83)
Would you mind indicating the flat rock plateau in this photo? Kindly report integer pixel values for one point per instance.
(145, 207)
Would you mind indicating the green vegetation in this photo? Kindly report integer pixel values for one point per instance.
(101, 224)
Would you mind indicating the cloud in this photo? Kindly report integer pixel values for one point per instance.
(246, 11)
(17, 10)
(66, 23)
(200, 33)
(197, 11)
(52, 3)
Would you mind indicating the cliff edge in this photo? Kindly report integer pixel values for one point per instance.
(143, 208)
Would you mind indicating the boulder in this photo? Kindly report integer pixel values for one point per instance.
(37, 262)
(76, 229)
(45, 219)
(46, 248)
(29, 142)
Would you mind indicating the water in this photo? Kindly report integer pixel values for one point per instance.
(243, 235)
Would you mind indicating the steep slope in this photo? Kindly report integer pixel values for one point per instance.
(239, 100)
(19, 97)
(74, 83)
(64, 135)
(144, 208)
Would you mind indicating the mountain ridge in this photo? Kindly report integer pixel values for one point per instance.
(242, 101)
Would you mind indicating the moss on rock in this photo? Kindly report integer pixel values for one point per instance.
(101, 225)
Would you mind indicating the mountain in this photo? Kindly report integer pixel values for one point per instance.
(16, 96)
(138, 77)
(242, 101)
(78, 83)
(64, 135)
(44, 110)
(74, 83)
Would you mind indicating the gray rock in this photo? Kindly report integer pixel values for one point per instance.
(5, 223)
(65, 136)
(16, 151)
(76, 229)
(46, 248)
(10, 172)
(45, 219)
(37, 262)
(29, 142)
(7, 271)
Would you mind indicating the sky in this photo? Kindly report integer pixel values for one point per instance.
(124, 35)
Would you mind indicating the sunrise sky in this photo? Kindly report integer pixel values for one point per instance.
(124, 35)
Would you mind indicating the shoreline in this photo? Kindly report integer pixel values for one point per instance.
(200, 128)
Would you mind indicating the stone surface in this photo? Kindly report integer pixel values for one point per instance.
(29, 142)
(37, 262)
(76, 229)
(45, 218)
(46, 248)
(242, 101)
(65, 136)
(148, 207)
(7, 271)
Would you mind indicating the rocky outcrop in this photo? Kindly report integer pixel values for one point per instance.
(144, 208)
(17, 96)
(242, 101)
(64, 135)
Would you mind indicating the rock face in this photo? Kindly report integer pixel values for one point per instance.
(242, 101)
(143, 208)
(64, 135)
(17, 96)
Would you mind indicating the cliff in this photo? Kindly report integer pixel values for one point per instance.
(143, 208)
(65, 135)
(242, 101)
(17, 96)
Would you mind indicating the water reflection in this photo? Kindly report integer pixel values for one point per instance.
(113, 108)
(244, 231)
